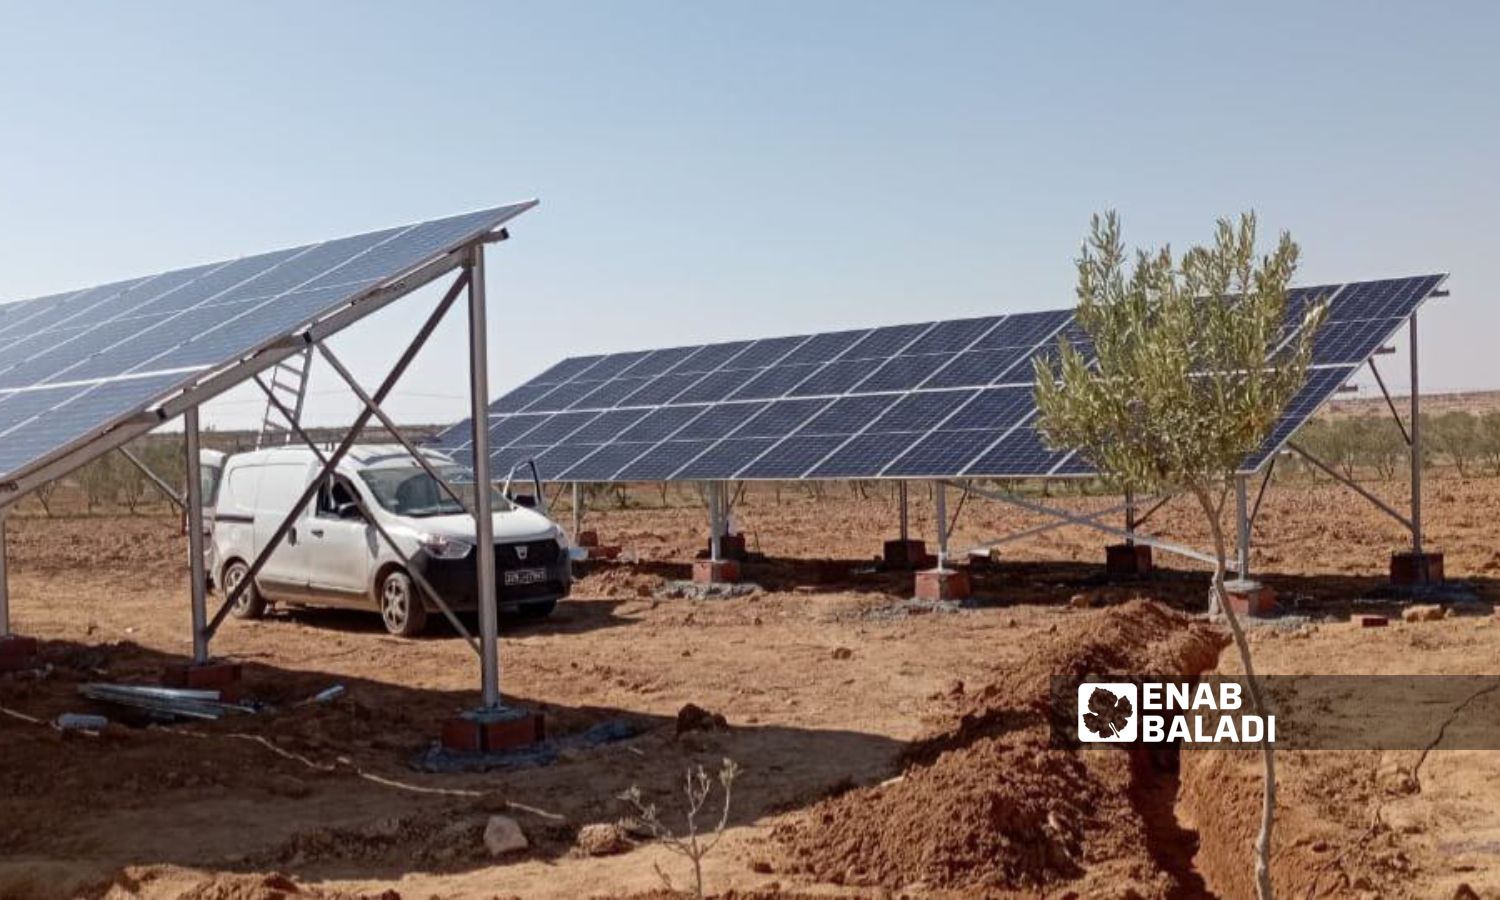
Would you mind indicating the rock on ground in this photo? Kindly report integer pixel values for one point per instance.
(602, 839)
(502, 835)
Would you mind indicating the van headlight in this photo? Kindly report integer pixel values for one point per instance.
(441, 547)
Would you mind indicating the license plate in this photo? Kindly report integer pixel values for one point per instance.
(525, 576)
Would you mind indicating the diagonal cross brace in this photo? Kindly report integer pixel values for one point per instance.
(343, 448)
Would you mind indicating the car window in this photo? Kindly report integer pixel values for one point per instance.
(407, 490)
(335, 492)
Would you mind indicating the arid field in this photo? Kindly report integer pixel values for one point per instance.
(887, 749)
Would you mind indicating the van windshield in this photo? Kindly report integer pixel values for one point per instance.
(409, 491)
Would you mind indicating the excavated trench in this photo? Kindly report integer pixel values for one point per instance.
(989, 804)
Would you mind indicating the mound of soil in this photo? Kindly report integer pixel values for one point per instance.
(988, 803)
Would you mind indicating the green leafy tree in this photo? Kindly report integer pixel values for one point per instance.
(1457, 435)
(1191, 364)
(1489, 440)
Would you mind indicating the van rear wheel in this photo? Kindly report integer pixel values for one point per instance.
(401, 609)
(250, 605)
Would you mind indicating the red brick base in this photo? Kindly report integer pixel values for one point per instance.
(1127, 560)
(598, 552)
(907, 554)
(722, 571)
(1410, 569)
(486, 732)
(588, 538)
(223, 677)
(731, 546)
(942, 584)
(17, 653)
(1250, 598)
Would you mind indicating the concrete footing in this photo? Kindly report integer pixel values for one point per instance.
(223, 677)
(943, 584)
(1413, 569)
(17, 653)
(716, 571)
(494, 730)
(1127, 560)
(905, 554)
(1250, 598)
(731, 546)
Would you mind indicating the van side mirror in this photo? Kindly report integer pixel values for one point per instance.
(349, 511)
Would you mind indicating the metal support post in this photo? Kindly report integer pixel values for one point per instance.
(1416, 444)
(1129, 517)
(484, 526)
(4, 582)
(156, 480)
(715, 525)
(577, 510)
(199, 578)
(1242, 526)
(905, 515)
(940, 491)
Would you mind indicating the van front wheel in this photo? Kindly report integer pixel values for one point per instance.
(400, 608)
(250, 605)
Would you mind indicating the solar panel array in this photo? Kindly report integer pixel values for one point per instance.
(933, 400)
(73, 364)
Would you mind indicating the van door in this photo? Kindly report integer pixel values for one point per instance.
(281, 483)
(341, 549)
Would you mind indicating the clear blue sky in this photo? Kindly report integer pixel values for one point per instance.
(715, 170)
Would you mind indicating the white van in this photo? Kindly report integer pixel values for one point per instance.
(333, 556)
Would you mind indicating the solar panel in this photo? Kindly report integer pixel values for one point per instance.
(927, 400)
(76, 364)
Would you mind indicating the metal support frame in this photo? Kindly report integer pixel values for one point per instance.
(297, 430)
(156, 480)
(905, 511)
(577, 510)
(1242, 526)
(1260, 495)
(1351, 485)
(714, 489)
(198, 575)
(342, 449)
(1416, 443)
(484, 550)
(1043, 529)
(940, 498)
(1089, 521)
(1129, 517)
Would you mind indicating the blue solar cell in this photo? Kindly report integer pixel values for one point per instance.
(520, 398)
(714, 386)
(302, 269)
(1351, 341)
(782, 418)
(711, 357)
(554, 461)
(612, 365)
(774, 382)
(659, 361)
(609, 393)
(25, 348)
(559, 427)
(540, 397)
(885, 342)
(863, 456)
(1391, 298)
(718, 420)
(725, 458)
(921, 411)
(953, 336)
(65, 311)
(975, 368)
(508, 461)
(604, 462)
(23, 406)
(607, 426)
(509, 430)
(567, 369)
(212, 285)
(821, 348)
(792, 457)
(1321, 385)
(835, 378)
(662, 460)
(86, 413)
(1019, 454)
(995, 408)
(942, 453)
(661, 389)
(849, 415)
(766, 352)
(661, 423)
(903, 373)
(406, 248)
(65, 353)
(1025, 329)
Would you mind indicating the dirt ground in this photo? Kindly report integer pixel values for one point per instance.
(885, 752)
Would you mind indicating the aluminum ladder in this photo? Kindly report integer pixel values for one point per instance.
(289, 384)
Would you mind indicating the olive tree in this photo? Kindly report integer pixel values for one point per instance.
(1191, 363)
